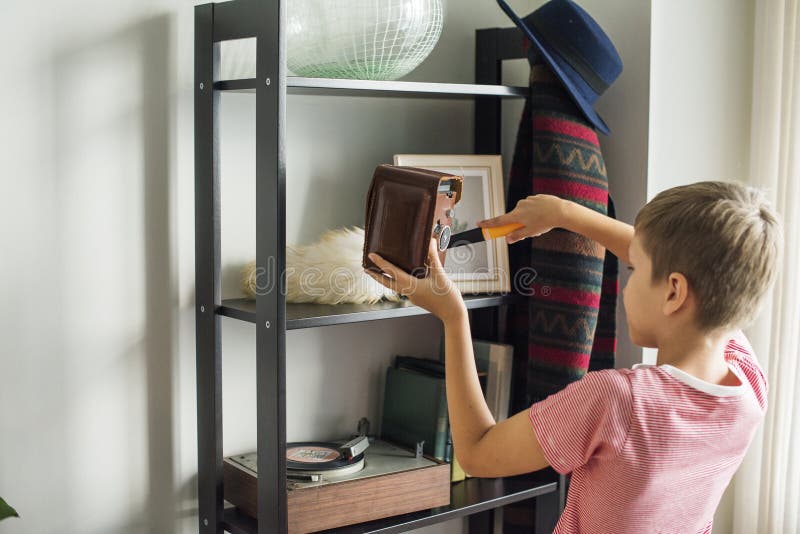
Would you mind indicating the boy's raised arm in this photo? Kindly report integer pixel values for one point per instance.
(541, 213)
(615, 235)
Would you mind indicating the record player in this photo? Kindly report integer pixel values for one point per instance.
(333, 484)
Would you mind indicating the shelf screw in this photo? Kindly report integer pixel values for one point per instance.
(205, 522)
(267, 324)
(201, 86)
(269, 81)
(202, 309)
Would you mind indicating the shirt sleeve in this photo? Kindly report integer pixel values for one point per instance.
(589, 419)
(739, 352)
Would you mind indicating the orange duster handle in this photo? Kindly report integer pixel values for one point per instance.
(499, 231)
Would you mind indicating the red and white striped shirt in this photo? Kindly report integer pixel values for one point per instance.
(651, 449)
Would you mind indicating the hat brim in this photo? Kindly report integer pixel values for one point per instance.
(559, 67)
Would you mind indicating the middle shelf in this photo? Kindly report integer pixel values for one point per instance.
(314, 315)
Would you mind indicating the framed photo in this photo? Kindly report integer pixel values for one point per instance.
(479, 267)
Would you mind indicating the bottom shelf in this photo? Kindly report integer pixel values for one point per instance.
(467, 497)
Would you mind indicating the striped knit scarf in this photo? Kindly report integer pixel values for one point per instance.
(568, 325)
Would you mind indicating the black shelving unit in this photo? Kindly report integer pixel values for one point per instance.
(272, 317)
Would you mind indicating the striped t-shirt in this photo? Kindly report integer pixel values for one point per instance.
(651, 449)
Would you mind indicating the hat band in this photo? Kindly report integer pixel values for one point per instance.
(572, 56)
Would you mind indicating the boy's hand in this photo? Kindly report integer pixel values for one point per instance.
(537, 213)
(436, 292)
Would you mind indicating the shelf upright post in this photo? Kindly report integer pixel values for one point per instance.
(488, 71)
(492, 47)
(488, 123)
(271, 264)
(207, 274)
(486, 141)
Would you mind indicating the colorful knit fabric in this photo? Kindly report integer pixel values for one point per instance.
(568, 325)
(604, 347)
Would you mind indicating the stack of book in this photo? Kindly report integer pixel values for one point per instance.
(415, 399)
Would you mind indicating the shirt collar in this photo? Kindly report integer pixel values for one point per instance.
(707, 387)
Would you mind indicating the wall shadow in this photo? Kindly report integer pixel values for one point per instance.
(161, 349)
(136, 64)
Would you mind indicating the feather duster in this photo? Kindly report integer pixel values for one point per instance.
(326, 272)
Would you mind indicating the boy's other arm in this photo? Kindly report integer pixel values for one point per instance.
(541, 213)
(483, 448)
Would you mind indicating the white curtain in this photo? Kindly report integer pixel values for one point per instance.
(767, 486)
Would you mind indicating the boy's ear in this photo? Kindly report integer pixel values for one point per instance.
(677, 293)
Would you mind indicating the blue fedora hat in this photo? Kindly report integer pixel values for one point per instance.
(576, 48)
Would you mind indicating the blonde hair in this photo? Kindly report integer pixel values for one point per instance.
(723, 237)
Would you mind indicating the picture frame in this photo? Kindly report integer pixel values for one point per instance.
(479, 267)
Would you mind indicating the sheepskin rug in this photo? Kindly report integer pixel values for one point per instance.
(326, 272)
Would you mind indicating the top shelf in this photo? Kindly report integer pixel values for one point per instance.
(345, 87)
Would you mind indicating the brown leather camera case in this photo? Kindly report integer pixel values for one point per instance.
(406, 207)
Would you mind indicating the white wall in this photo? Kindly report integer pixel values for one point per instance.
(700, 92)
(88, 345)
(97, 430)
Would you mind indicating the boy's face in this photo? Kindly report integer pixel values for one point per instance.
(642, 299)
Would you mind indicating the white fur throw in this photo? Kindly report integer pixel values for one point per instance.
(326, 272)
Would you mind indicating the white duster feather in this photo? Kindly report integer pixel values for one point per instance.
(326, 272)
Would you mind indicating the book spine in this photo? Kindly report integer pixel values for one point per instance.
(442, 425)
(448, 449)
(456, 473)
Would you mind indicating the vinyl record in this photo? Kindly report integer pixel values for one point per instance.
(318, 456)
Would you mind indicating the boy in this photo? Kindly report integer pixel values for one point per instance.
(650, 449)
